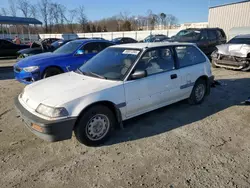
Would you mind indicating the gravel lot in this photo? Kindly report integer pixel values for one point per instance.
(176, 146)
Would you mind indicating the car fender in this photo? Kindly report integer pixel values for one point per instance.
(114, 95)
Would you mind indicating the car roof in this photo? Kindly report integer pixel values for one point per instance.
(90, 40)
(150, 45)
(243, 36)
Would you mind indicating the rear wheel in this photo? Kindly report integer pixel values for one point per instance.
(199, 92)
(95, 125)
(52, 71)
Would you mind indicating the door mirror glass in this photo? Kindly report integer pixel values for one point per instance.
(79, 52)
(138, 75)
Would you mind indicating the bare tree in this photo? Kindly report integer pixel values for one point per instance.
(82, 18)
(13, 8)
(4, 12)
(71, 19)
(44, 11)
(163, 17)
(24, 7)
(33, 11)
(172, 20)
(124, 15)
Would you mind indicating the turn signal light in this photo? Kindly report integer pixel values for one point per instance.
(37, 127)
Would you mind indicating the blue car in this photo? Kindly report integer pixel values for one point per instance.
(66, 58)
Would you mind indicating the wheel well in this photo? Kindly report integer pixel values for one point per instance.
(205, 78)
(54, 66)
(110, 105)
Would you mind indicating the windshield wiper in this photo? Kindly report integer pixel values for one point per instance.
(97, 75)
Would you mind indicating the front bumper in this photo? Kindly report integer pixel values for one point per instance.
(56, 130)
(26, 77)
(231, 62)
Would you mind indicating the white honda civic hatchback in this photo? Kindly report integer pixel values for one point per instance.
(119, 83)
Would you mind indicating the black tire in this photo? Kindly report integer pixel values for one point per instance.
(83, 127)
(51, 71)
(194, 99)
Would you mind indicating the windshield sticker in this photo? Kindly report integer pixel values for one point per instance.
(131, 52)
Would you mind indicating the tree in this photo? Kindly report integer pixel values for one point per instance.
(82, 18)
(72, 15)
(105, 29)
(126, 26)
(99, 29)
(13, 9)
(172, 20)
(44, 11)
(87, 30)
(4, 12)
(24, 7)
(33, 11)
(163, 19)
(93, 29)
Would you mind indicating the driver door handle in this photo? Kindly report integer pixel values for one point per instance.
(173, 76)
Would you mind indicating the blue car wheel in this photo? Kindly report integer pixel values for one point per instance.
(51, 71)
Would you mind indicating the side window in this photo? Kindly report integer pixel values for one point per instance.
(156, 61)
(220, 34)
(91, 48)
(204, 35)
(212, 35)
(105, 45)
(189, 55)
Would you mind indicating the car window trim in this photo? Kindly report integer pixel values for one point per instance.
(177, 60)
(143, 53)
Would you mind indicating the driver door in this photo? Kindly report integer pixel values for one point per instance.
(159, 88)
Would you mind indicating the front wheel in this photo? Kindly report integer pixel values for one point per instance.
(198, 93)
(95, 125)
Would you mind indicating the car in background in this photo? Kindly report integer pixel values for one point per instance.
(40, 47)
(124, 40)
(235, 54)
(100, 38)
(49, 41)
(205, 38)
(10, 49)
(155, 38)
(67, 58)
(121, 82)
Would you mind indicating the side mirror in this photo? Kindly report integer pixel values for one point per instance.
(79, 52)
(138, 75)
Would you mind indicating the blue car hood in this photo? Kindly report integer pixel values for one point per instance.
(39, 59)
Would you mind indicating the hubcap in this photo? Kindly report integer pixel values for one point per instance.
(97, 127)
(199, 92)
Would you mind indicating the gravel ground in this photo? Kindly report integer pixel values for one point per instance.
(176, 146)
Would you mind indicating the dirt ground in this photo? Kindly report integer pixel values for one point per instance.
(177, 146)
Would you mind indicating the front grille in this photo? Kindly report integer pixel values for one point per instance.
(230, 58)
(17, 69)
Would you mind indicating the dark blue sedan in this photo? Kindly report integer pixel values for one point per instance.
(66, 58)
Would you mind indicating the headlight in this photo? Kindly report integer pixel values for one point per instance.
(51, 111)
(30, 69)
(214, 54)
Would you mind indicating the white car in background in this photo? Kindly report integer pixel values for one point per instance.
(121, 82)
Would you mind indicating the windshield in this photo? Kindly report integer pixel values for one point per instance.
(68, 48)
(112, 63)
(239, 41)
(188, 34)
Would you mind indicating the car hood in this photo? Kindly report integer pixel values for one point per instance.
(39, 58)
(29, 50)
(239, 50)
(63, 88)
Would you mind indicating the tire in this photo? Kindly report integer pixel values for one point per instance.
(198, 93)
(96, 117)
(51, 71)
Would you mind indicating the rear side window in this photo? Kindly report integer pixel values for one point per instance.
(212, 35)
(92, 47)
(188, 56)
(105, 45)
